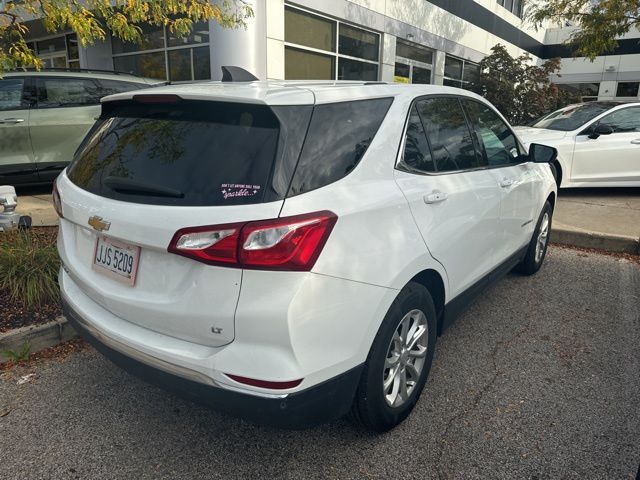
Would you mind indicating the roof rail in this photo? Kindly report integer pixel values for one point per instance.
(237, 74)
(79, 70)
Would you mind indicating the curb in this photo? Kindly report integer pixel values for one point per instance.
(601, 241)
(39, 336)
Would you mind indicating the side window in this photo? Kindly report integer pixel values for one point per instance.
(449, 136)
(497, 140)
(339, 135)
(109, 87)
(67, 92)
(625, 120)
(11, 93)
(417, 155)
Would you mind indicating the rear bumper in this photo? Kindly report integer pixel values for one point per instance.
(318, 404)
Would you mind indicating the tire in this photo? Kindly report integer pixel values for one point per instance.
(539, 242)
(374, 407)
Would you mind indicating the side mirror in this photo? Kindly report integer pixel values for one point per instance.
(542, 153)
(600, 129)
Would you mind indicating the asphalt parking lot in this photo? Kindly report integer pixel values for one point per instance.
(539, 379)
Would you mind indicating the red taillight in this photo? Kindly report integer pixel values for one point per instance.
(265, 383)
(289, 243)
(57, 205)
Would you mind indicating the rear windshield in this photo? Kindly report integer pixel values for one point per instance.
(185, 153)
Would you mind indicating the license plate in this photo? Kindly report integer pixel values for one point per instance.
(116, 259)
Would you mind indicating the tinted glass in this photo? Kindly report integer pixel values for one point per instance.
(413, 52)
(471, 72)
(402, 73)
(354, 70)
(309, 30)
(625, 120)
(453, 68)
(199, 34)
(152, 37)
(582, 89)
(56, 44)
(421, 75)
(67, 92)
(300, 65)
(627, 89)
(417, 156)
(573, 116)
(201, 63)
(149, 65)
(339, 135)
(11, 93)
(180, 65)
(190, 153)
(499, 144)
(358, 43)
(448, 133)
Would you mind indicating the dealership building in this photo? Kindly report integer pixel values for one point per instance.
(407, 41)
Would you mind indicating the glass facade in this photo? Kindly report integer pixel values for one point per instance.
(414, 63)
(319, 48)
(460, 73)
(164, 56)
(60, 51)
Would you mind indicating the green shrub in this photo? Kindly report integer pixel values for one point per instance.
(28, 268)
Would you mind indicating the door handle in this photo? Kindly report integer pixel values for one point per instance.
(435, 197)
(506, 182)
(12, 120)
(636, 141)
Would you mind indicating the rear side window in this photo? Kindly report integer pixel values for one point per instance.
(187, 153)
(452, 147)
(11, 93)
(67, 92)
(339, 135)
(417, 156)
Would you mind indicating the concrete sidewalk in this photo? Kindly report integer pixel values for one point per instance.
(607, 218)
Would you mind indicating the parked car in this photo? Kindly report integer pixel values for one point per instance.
(288, 251)
(598, 143)
(45, 115)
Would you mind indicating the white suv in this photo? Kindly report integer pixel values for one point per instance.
(289, 251)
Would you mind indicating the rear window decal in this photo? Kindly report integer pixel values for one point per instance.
(233, 190)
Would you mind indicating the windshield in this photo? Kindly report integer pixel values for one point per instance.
(572, 117)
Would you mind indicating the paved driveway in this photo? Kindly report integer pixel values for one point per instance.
(539, 379)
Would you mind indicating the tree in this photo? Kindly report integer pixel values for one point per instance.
(599, 22)
(521, 90)
(91, 19)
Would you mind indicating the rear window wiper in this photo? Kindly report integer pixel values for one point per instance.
(134, 187)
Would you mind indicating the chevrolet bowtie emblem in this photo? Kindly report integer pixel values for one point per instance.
(98, 224)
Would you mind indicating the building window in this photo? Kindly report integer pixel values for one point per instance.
(320, 48)
(460, 73)
(586, 91)
(514, 6)
(627, 89)
(414, 63)
(60, 51)
(164, 56)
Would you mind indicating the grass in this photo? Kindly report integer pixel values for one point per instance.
(28, 268)
(19, 355)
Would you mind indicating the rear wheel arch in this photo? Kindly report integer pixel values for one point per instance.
(434, 283)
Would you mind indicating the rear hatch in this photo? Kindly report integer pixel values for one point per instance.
(154, 165)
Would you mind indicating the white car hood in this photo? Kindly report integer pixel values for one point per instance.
(538, 135)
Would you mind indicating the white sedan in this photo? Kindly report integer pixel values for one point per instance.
(598, 143)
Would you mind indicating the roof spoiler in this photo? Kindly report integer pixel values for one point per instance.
(237, 74)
